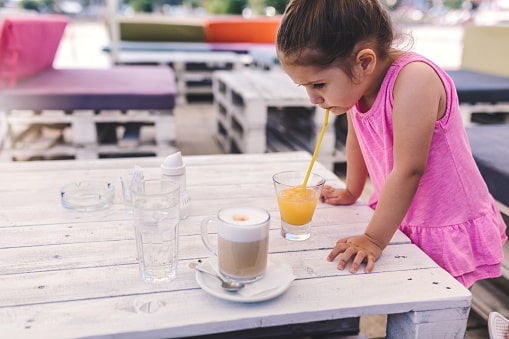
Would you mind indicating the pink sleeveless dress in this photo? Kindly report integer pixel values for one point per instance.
(453, 217)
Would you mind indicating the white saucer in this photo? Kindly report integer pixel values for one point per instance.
(276, 280)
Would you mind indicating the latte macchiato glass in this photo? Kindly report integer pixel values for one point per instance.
(242, 242)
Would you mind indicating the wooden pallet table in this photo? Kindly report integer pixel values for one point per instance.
(69, 274)
(250, 103)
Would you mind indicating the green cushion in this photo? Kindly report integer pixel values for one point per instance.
(152, 29)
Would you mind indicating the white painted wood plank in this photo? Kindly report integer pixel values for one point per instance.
(219, 181)
(60, 117)
(88, 281)
(170, 314)
(48, 208)
(190, 161)
(196, 175)
(445, 323)
(179, 57)
(51, 214)
(331, 222)
(61, 250)
(276, 88)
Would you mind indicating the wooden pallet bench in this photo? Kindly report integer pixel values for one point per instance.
(87, 134)
(482, 81)
(481, 93)
(193, 69)
(482, 84)
(250, 103)
(264, 57)
(490, 147)
(88, 107)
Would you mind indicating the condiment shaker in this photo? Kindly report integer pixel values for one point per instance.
(173, 168)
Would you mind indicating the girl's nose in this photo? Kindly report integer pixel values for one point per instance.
(314, 98)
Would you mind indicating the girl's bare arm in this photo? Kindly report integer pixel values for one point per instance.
(419, 100)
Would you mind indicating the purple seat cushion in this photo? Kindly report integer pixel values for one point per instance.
(120, 88)
(490, 147)
(476, 87)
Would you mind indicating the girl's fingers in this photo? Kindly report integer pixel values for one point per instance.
(357, 261)
(332, 201)
(345, 257)
(346, 253)
(370, 264)
(339, 248)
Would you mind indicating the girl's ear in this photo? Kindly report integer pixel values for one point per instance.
(365, 62)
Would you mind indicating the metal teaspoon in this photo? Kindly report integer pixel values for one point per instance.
(228, 285)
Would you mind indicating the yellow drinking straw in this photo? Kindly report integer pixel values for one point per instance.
(317, 147)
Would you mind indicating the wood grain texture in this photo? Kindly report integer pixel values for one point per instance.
(67, 274)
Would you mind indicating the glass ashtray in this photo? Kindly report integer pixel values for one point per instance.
(87, 195)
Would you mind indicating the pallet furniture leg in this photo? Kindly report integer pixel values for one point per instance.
(83, 127)
(165, 127)
(4, 129)
(446, 323)
(179, 69)
(86, 153)
(248, 124)
(466, 114)
(254, 140)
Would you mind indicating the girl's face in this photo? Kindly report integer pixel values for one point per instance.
(327, 87)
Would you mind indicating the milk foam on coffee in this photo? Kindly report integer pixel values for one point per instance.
(250, 219)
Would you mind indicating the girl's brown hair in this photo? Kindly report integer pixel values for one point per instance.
(320, 32)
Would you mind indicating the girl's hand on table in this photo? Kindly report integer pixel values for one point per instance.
(357, 249)
(336, 196)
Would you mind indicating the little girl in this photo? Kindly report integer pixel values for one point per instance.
(404, 131)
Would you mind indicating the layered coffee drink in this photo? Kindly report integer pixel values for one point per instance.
(243, 242)
(243, 260)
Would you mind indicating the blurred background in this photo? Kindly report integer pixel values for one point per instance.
(443, 12)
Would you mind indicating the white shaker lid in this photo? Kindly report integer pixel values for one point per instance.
(173, 165)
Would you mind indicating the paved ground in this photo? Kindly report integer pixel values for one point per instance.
(196, 124)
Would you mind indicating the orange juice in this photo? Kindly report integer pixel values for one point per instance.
(297, 205)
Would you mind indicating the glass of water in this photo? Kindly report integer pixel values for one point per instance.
(156, 205)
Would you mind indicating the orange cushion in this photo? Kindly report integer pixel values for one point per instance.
(259, 30)
(28, 45)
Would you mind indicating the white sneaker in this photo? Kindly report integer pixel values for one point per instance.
(498, 326)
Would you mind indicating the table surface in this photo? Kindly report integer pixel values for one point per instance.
(74, 274)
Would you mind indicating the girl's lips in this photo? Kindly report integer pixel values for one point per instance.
(337, 110)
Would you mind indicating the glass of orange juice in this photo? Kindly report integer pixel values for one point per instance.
(297, 203)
